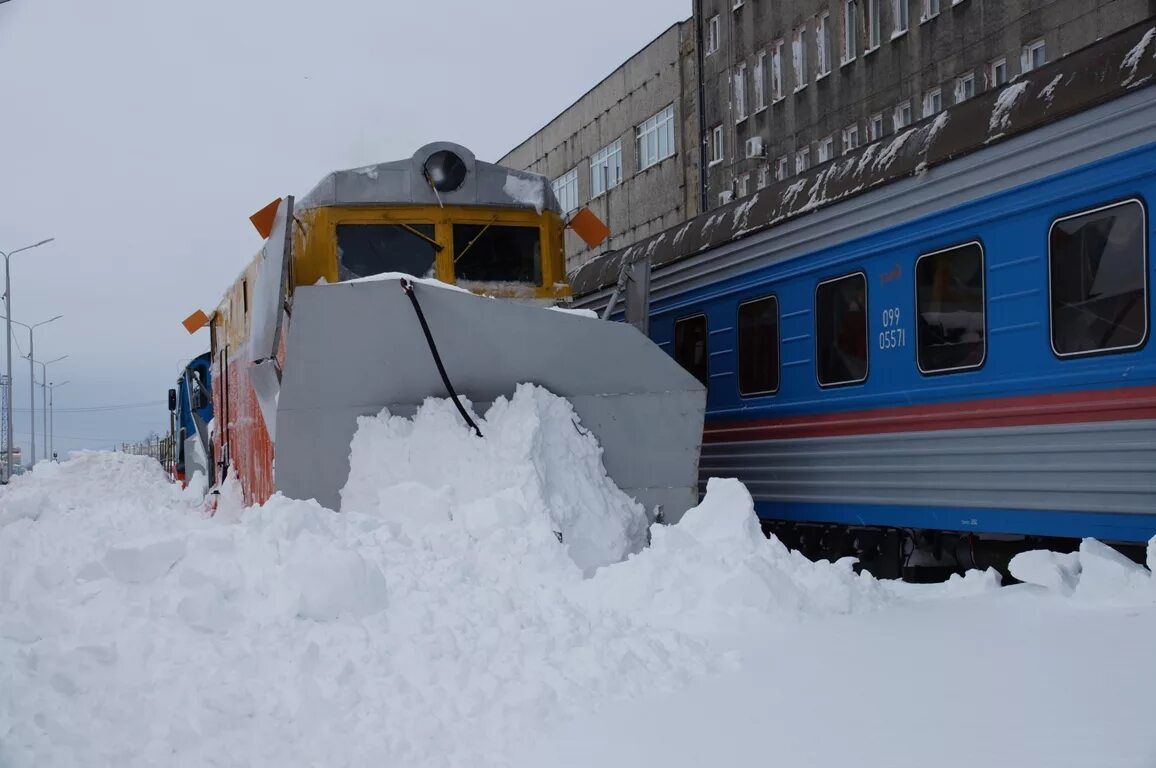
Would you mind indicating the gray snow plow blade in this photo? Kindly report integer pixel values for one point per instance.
(354, 348)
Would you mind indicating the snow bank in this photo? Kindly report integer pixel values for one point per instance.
(716, 565)
(437, 620)
(534, 472)
(1096, 573)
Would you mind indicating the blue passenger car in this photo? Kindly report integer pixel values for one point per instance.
(930, 341)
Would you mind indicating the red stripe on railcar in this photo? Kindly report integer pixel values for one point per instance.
(1120, 404)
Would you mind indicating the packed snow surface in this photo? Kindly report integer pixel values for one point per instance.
(497, 601)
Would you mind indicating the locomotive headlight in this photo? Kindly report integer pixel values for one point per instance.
(444, 171)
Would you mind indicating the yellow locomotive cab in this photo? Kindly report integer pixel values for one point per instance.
(507, 252)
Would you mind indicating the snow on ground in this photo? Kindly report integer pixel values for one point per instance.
(439, 621)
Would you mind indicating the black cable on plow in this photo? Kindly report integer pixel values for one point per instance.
(407, 286)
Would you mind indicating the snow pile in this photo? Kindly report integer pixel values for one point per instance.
(62, 487)
(438, 620)
(1095, 573)
(716, 565)
(526, 190)
(533, 471)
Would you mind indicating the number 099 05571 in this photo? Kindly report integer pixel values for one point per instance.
(893, 335)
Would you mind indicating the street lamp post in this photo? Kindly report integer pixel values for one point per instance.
(52, 416)
(44, 401)
(31, 376)
(8, 336)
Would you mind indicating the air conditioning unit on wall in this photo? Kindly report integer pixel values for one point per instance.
(755, 147)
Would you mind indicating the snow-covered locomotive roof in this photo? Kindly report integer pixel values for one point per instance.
(408, 182)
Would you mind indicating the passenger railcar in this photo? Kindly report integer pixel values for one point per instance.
(951, 348)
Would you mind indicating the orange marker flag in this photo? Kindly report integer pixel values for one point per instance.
(195, 321)
(263, 219)
(589, 227)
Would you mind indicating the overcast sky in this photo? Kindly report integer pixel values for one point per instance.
(141, 134)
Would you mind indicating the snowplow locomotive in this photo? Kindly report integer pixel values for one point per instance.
(351, 307)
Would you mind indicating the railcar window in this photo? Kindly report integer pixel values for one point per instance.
(759, 346)
(371, 249)
(841, 330)
(1099, 287)
(949, 330)
(496, 253)
(690, 346)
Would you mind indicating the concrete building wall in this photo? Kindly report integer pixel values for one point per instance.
(646, 201)
(964, 37)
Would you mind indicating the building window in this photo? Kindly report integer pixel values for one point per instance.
(872, 24)
(744, 185)
(903, 115)
(850, 138)
(949, 327)
(764, 176)
(850, 25)
(799, 57)
(741, 93)
(802, 159)
(1034, 56)
(932, 102)
(997, 72)
(782, 169)
(606, 168)
(901, 19)
(690, 347)
(1097, 269)
(777, 70)
(566, 190)
(826, 149)
(875, 128)
(841, 330)
(656, 138)
(760, 85)
(758, 337)
(712, 35)
(930, 9)
(716, 145)
(823, 41)
(964, 87)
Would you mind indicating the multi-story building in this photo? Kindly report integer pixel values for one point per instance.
(788, 85)
(629, 148)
